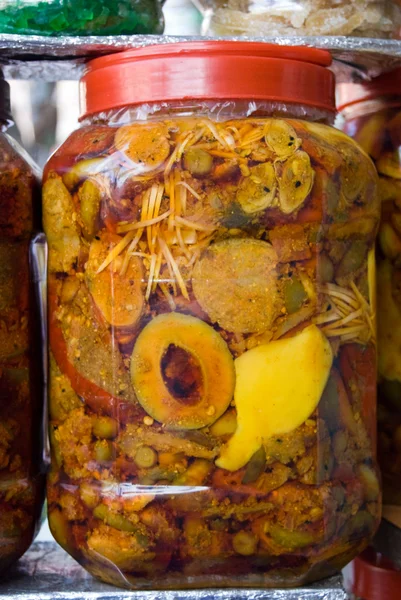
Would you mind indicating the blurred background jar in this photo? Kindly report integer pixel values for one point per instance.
(81, 17)
(372, 116)
(361, 18)
(21, 340)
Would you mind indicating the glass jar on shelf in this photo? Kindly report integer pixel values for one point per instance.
(211, 315)
(372, 116)
(360, 18)
(21, 361)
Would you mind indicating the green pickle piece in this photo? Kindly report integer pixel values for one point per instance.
(291, 539)
(113, 519)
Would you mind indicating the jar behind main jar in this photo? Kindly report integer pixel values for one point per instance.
(212, 338)
(361, 18)
(21, 366)
(372, 114)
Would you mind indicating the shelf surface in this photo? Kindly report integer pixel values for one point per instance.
(53, 59)
(46, 572)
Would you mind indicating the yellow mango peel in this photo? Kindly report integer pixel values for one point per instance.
(278, 387)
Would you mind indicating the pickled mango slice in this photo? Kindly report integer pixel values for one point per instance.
(89, 195)
(281, 138)
(146, 146)
(389, 325)
(182, 372)
(235, 282)
(295, 181)
(82, 170)
(257, 191)
(278, 387)
(60, 226)
(118, 297)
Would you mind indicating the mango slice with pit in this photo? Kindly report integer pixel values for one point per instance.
(278, 386)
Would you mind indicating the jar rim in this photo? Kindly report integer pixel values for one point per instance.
(208, 70)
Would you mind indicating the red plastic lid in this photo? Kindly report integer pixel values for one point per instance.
(372, 576)
(210, 71)
(387, 84)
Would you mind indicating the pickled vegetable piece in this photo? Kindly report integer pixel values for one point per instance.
(256, 466)
(245, 543)
(389, 164)
(295, 180)
(168, 397)
(371, 135)
(60, 225)
(268, 401)
(82, 170)
(354, 170)
(389, 325)
(294, 295)
(236, 284)
(281, 138)
(119, 297)
(145, 145)
(258, 190)
(198, 162)
(89, 196)
(291, 540)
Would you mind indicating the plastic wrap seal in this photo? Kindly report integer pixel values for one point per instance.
(55, 59)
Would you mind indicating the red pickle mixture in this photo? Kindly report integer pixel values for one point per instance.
(213, 350)
(21, 392)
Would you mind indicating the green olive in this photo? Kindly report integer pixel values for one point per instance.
(294, 295)
(198, 162)
(105, 428)
(145, 457)
(245, 543)
(103, 451)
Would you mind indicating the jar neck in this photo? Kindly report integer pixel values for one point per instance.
(215, 110)
(373, 105)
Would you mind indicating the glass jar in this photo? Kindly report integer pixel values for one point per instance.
(81, 17)
(21, 365)
(212, 236)
(372, 116)
(361, 18)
